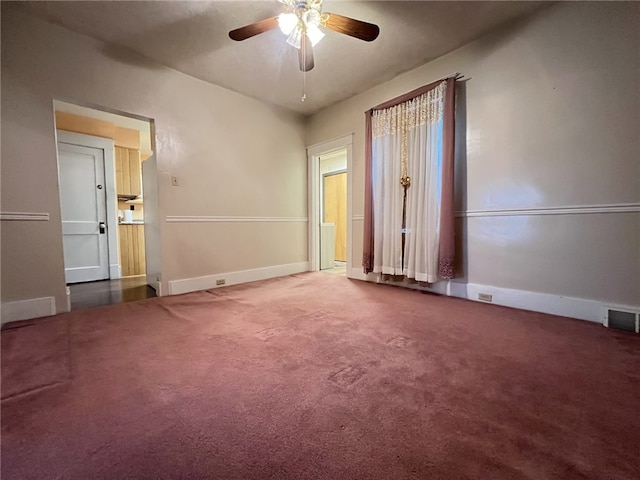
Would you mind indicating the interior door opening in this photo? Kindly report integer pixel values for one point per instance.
(330, 173)
(333, 211)
(109, 231)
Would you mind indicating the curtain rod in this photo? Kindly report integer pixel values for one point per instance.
(456, 75)
(413, 93)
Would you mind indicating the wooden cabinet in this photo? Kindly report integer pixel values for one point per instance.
(131, 236)
(132, 250)
(128, 172)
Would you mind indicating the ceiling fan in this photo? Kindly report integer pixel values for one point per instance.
(300, 21)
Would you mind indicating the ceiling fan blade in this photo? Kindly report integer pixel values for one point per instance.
(354, 28)
(253, 29)
(305, 54)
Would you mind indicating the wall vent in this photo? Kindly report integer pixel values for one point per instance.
(622, 318)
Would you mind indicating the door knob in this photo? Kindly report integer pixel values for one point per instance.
(103, 227)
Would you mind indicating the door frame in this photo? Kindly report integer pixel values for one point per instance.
(106, 145)
(314, 152)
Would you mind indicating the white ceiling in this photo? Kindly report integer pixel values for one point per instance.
(191, 36)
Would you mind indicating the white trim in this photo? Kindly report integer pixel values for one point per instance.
(205, 218)
(313, 157)
(332, 156)
(24, 216)
(349, 202)
(26, 309)
(330, 145)
(567, 210)
(357, 273)
(115, 271)
(68, 291)
(186, 285)
(157, 288)
(573, 307)
(357, 217)
(152, 220)
(580, 308)
(107, 146)
(313, 201)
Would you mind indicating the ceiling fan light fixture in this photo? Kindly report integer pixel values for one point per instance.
(295, 37)
(287, 22)
(314, 34)
(295, 25)
(301, 23)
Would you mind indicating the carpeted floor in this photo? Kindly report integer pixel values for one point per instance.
(314, 376)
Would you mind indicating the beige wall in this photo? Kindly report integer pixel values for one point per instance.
(551, 115)
(234, 156)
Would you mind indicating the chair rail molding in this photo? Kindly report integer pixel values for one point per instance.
(566, 210)
(213, 218)
(24, 216)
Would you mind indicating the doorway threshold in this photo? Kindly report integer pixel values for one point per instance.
(109, 292)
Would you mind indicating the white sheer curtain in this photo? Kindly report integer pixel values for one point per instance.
(407, 141)
(387, 204)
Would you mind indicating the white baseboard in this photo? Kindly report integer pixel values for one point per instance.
(26, 309)
(187, 285)
(68, 290)
(580, 308)
(115, 271)
(358, 274)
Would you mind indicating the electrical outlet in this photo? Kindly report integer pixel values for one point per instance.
(221, 281)
(485, 297)
(174, 181)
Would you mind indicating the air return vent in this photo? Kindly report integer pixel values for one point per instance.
(622, 318)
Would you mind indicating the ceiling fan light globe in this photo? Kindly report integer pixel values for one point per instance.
(287, 22)
(295, 37)
(314, 34)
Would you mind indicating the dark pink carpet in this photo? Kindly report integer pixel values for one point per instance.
(315, 376)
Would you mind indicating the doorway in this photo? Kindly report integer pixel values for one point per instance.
(333, 226)
(100, 158)
(330, 206)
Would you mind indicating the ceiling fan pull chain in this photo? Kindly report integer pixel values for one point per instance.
(304, 72)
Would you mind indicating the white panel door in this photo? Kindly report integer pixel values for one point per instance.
(83, 205)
